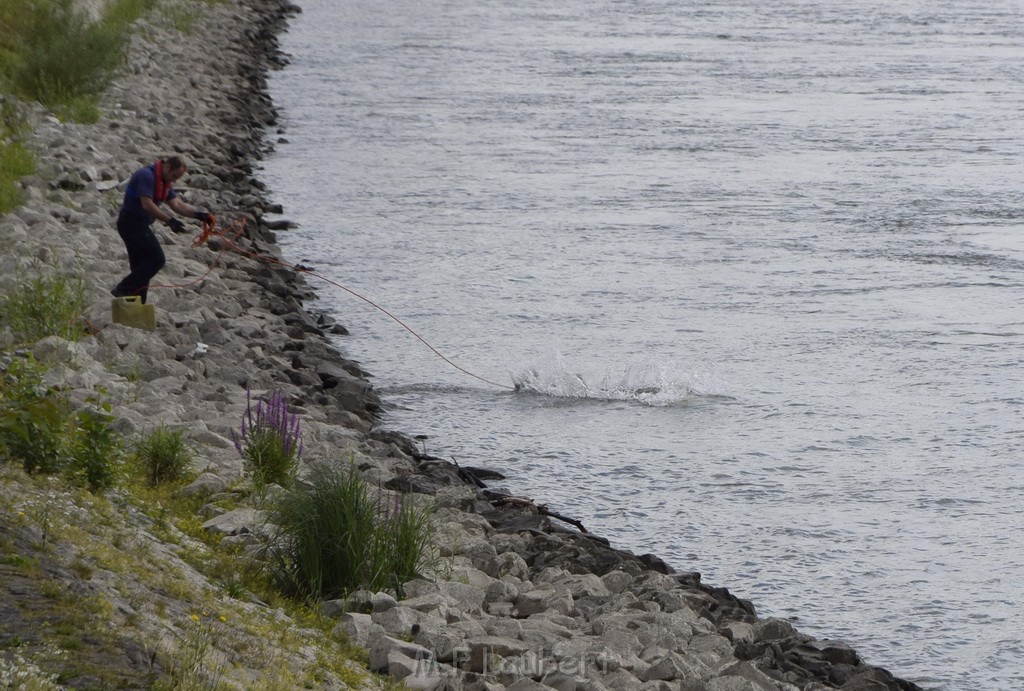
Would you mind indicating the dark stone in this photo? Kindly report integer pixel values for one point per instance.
(332, 375)
(509, 522)
(833, 652)
(427, 481)
(772, 629)
(402, 441)
(689, 578)
(483, 473)
(655, 563)
(278, 224)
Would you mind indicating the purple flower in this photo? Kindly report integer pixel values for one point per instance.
(270, 438)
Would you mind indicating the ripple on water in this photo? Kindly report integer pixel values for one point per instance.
(786, 289)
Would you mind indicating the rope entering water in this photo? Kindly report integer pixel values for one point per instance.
(235, 230)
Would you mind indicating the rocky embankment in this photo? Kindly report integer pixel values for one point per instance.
(520, 599)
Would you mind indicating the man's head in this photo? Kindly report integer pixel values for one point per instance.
(174, 167)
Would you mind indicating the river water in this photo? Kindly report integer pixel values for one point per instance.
(756, 267)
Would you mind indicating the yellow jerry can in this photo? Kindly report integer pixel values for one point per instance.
(130, 311)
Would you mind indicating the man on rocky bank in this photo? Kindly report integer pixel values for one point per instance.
(147, 189)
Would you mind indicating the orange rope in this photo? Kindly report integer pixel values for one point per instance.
(236, 229)
(208, 230)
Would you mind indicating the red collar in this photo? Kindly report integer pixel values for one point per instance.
(161, 189)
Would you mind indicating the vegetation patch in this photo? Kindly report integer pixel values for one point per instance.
(53, 54)
(339, 537)
(15, 159)
(45, 301)
(269, 441)
(39, 429)
(163, 455)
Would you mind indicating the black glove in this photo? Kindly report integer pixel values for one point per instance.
(204, 217)
(176, 225)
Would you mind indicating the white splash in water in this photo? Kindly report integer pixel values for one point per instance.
(649, 383)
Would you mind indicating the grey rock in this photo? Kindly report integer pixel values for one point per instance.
(654, 653)
(545, 599)
(28, 216)
(420, 587)
(559, 681)
(507, 564)
(758, 680)
(466, 597)
(658, 685)
(237, 522)
(360, 627)
(381, 602)
(441, 641)
(501, 591)
(212, 439)
(622, 680)
(381, 646)
(482, 651)
(616, 581)
(204, 485)
(335, 608)
(832, 652)
(458, 498)
(528, 685)
(738, 632)
(503, 627)
(431, 676)
(773, 630)
(401, 665)
(398, 621)
(585, 585)
(242, 540)
(54, 350)
(622, 640)
(676, 666)
(712, 648)
(500, 609)
(733, 683)
(431, 602)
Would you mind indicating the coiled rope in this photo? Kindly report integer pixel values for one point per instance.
(229, 236)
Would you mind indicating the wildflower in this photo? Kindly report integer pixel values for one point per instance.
(270, 440)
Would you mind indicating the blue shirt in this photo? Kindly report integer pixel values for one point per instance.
(142, 184)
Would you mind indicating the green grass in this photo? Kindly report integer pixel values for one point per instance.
(39, 428)
(270, 441)
(96, 449)
(52, 54)
(15, 160)
(163, 455)
(44, 302)
(34, 420)
(121, 13)
(341, 536)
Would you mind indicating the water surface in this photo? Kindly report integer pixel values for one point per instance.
(757, 267)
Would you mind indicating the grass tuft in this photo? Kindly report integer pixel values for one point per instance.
(96, 449)
(38, 428)
(339, 538)
(270, 441)
(53, 54)
(45, 302)
(164, 456)
(15, 160)
(33, 419)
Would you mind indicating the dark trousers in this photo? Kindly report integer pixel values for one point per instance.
(145, 256)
